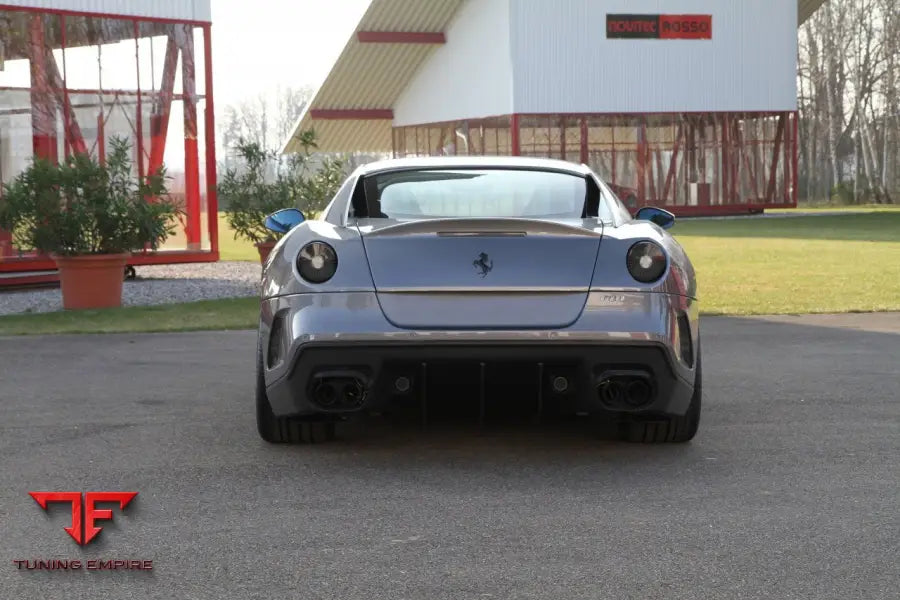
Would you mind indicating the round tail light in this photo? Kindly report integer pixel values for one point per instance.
(317, 262)
(646, 261)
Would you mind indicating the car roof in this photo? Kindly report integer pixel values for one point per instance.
(469, 162)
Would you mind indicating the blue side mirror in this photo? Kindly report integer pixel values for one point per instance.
(284, 220)
(661, 217)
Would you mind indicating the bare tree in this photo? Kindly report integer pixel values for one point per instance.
(266, 120)
(848, 83)
(289, 105)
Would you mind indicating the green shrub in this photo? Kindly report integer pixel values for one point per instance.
(268, 183)
(80, 206)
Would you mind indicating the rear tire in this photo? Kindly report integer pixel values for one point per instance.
(285, 430)
(672, 429)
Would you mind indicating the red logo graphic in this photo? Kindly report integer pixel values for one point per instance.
(659, 27)
(83, 529)
(685, 27)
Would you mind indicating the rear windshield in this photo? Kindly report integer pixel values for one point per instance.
(445, 193)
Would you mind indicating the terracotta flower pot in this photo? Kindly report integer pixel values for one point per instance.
(91, 281)
(264, 249)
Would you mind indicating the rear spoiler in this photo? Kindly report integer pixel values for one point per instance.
(494, 227)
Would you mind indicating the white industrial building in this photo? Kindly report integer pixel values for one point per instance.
(690, 104)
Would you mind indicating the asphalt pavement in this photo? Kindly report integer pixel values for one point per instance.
(790, 490)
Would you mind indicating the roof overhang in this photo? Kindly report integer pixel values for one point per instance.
(805, 9)
(352, 111)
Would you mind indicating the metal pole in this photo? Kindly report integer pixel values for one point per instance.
(191, 156)
(212, 203)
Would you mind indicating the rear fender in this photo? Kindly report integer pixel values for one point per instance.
(280, 275)
(611, 273)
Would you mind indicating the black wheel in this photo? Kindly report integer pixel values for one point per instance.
(130, 273)
(285, 430)
(672, 429)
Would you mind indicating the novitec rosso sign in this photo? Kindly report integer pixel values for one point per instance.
(659, 27)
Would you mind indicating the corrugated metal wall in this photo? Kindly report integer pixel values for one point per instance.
(564, 63)
(190, 10)
(468, 77)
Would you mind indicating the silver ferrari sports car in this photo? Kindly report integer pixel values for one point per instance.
(484, 284)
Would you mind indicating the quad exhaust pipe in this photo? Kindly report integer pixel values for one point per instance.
(339, 391)
(349, 390)
(631, 389)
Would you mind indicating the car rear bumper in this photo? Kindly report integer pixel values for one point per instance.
(314, 343)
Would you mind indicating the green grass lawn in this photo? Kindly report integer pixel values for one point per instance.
(231, 248)
(843, 263)
(232, 313)
(825, 207)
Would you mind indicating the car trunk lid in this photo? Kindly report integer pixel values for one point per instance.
(465, 273)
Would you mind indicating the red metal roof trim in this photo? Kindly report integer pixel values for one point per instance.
(352, 114)
(401, 37)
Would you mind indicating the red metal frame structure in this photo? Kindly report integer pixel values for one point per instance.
(689, 163)
(35, 34)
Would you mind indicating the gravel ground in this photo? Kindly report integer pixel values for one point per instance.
(157, 284)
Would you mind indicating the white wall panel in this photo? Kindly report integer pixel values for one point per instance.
(468, 77)
(563, 62)
(189, 10)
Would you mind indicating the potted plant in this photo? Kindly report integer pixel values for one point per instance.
(251, 194)
(89, 217)
(267, 183)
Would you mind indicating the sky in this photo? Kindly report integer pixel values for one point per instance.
(258, 46)
(262, 44)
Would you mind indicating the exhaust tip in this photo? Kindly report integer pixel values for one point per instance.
(324, 394)
(638, 392)
(338, 390)
(352, 393)
(610, 391)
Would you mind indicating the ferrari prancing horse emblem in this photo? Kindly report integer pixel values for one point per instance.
(484, 264)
